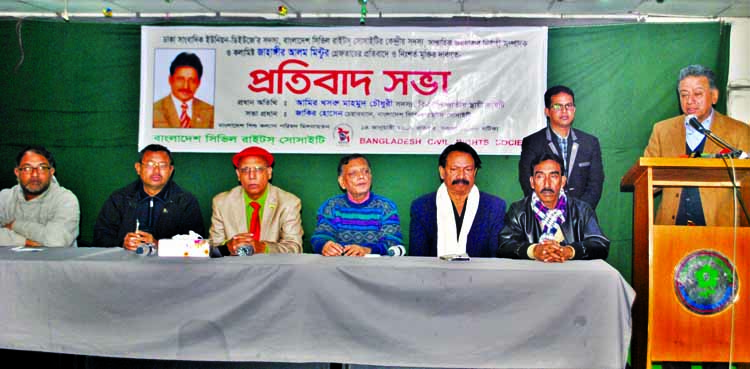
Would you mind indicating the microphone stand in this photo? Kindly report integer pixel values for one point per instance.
(734, 152)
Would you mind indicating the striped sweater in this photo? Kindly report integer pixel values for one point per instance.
(374, 224)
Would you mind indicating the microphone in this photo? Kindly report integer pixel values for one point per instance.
(693, 121)
(733, 151)
(397, 250)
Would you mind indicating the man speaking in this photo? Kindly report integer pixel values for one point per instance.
(675, 137)
(181, 109)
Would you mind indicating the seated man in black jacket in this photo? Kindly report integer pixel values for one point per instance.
(151, 208)
(549, 226)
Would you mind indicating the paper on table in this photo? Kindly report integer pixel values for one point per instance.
(27, 249)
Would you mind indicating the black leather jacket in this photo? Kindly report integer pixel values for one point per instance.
(581, 230)
(117, 217)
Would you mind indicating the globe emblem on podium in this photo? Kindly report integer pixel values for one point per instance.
(705, 282)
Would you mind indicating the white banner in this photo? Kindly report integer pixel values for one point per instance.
(342, 90)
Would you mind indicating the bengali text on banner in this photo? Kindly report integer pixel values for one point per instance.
(341, 90)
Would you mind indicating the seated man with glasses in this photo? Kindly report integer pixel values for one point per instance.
(38, 211)
(358, 222)
(458, 218)
(579, 150)
(151, 208)
(256, 213)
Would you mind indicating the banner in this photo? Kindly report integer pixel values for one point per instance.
(342, 89)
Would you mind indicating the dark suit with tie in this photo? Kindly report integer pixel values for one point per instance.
(584, 160)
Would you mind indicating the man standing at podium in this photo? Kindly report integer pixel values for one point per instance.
(675, 137)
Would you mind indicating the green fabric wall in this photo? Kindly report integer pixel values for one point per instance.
(75, 89)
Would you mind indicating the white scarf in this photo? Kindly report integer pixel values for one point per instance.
(446, 230)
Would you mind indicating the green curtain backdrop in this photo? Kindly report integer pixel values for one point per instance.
(74, 87)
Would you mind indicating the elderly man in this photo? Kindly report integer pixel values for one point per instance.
(358, 222)
(548, 225)
(151, 208)
(38, 211)
(181, 109)
(256, 213)
(579, 150)
(458, 218)
(674, 137)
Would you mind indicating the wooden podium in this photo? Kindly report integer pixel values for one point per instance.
(663, 328)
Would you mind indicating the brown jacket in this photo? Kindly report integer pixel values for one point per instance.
(165, 115)
(668, 140)
(280, 228)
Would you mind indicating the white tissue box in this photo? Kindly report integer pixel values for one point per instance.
(184, 248)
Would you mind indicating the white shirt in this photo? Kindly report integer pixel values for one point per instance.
(692, 136)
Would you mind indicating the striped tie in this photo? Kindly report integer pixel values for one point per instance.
(184, 118)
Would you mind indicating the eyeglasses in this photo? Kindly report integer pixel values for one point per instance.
(153, 165)
(254, 170)
(567, 107)
(356, 173)
(28, 168)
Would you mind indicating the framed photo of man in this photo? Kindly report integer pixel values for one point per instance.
(184, 88)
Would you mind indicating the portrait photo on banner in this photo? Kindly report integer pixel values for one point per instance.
(184, 88)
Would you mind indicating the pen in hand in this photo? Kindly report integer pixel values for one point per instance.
(137, 229)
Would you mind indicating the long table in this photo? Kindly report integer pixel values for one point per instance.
(400, 311)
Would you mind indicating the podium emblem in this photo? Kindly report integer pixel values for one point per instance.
(705, 283)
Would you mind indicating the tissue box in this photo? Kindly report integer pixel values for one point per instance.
(184, 248)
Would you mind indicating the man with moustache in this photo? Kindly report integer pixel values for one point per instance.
(38, 211)
(579, 150)
(256, 213)
(674, 137)
(181, 109)
(457, 218)
(548, 225)
(357, 222)
(151, 208)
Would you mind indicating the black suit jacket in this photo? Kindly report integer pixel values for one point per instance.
(484, 234)
(585, 172)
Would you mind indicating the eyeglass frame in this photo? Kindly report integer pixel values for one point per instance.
(28, 169)
(153, 165)
(560, 107)
(253, 169)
